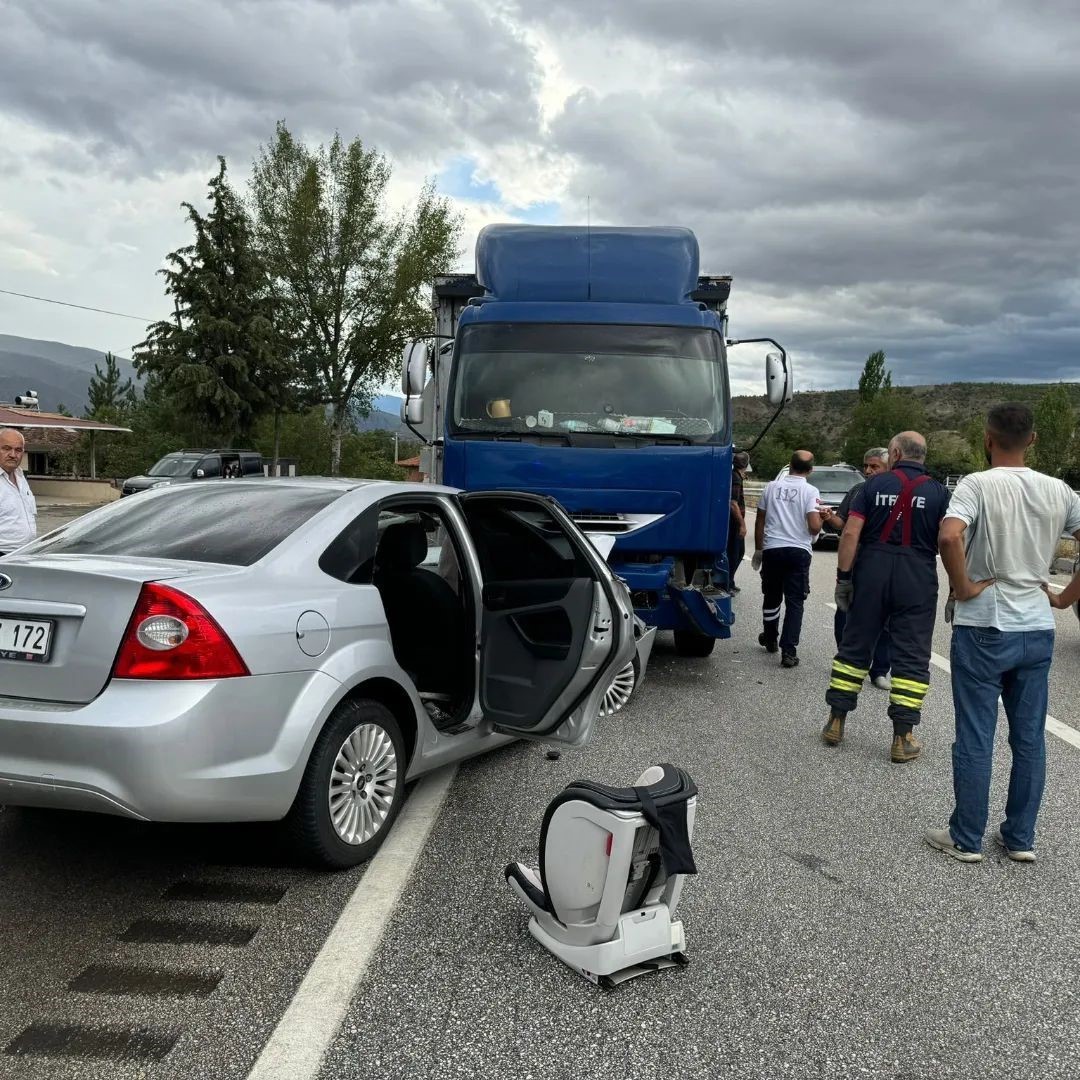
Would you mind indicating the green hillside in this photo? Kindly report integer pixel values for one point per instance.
(819, 420)
(949, 406)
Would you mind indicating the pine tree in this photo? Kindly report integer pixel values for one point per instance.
(110, 395)
(222, 360)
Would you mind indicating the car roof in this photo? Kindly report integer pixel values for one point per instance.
(344, 484)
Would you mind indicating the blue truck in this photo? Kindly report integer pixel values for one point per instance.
(590, 365)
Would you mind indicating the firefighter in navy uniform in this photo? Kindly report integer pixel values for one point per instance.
(887, 572)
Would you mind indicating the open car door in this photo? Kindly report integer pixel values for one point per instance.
(556, 626)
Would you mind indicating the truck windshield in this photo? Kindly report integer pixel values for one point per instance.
(542, 378)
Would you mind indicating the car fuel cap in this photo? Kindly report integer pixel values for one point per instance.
(312, 633)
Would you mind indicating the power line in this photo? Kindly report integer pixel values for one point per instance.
(81, 307)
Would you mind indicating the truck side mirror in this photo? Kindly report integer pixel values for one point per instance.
(778, 378)
(412, 410)
(414, 367)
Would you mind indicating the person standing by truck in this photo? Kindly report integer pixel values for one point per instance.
(786, 525)
(875, 462)
(736, 545)
(996, 540)
(886, 572)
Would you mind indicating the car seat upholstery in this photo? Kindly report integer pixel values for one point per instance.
(425, 616)
(606, 851)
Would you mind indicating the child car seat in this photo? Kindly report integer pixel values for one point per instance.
(612, 865)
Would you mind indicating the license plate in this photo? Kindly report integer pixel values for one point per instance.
(25, 639)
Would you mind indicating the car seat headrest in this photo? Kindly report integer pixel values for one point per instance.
(402, 547)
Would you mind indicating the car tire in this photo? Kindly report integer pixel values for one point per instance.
(622, 689)
(693, 644)
(352, 789)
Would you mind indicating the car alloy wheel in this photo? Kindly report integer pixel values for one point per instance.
(621, 689)
(363, 784)
(353, 786)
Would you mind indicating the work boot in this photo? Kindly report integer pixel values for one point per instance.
(882, 682)
(905, 747)
(832, 734)
(767, 643)
(789, 659)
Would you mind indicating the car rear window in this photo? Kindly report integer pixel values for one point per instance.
(215, 523)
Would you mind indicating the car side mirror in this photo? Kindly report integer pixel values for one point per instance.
(200, 473)
(778, 378)
(414, 368)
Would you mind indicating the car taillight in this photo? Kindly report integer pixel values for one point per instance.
(172, 636)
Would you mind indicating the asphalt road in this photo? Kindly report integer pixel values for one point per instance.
(826, 939)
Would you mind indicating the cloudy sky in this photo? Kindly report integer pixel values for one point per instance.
(874, 175)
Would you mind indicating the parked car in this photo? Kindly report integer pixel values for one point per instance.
(253, 651)
(183, 466)
(833, 482)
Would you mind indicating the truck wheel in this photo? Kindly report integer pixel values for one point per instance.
(621, 689)
(692, 643)
(353, 787)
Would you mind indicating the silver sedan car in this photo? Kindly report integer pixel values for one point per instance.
(297, 650)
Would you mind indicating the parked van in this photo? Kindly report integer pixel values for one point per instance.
(183, 466)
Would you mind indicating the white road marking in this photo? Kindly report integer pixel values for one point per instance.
(303, 1035)
(1054, 726)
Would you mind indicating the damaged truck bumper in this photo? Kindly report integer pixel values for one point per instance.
(663, 599)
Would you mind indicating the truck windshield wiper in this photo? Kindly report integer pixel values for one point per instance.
(645, 438)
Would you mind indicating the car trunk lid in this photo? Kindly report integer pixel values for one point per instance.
(87, 602)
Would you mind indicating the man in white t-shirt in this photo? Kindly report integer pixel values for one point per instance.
(18, 510)
(997, 539)
(788, 521)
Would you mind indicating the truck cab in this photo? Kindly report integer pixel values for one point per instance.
(590, 365)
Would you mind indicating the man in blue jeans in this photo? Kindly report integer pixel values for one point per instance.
(996, 541)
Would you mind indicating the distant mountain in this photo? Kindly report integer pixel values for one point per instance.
(59, 373)
(388, 403)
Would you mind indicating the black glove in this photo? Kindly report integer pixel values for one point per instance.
(845, 590)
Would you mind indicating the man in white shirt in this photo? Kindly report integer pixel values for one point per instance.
(788, 522)
(997, 539)
(18, 510)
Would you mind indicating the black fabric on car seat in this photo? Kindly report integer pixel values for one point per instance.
(667, 797)
(402, 548)
(425, 615)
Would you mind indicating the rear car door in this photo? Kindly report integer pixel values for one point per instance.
(556, 624)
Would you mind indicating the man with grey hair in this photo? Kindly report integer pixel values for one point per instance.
(18, 510)
(887, 573)
(875, 462)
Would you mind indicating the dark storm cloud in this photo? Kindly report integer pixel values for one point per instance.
(900, 176)
(151, 87)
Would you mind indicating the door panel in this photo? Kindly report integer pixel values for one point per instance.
(555, 628)
(532, 648)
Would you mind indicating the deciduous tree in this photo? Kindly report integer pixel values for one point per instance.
(350, 272)
(882, 410)
(1055, 426)
(875, 379)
